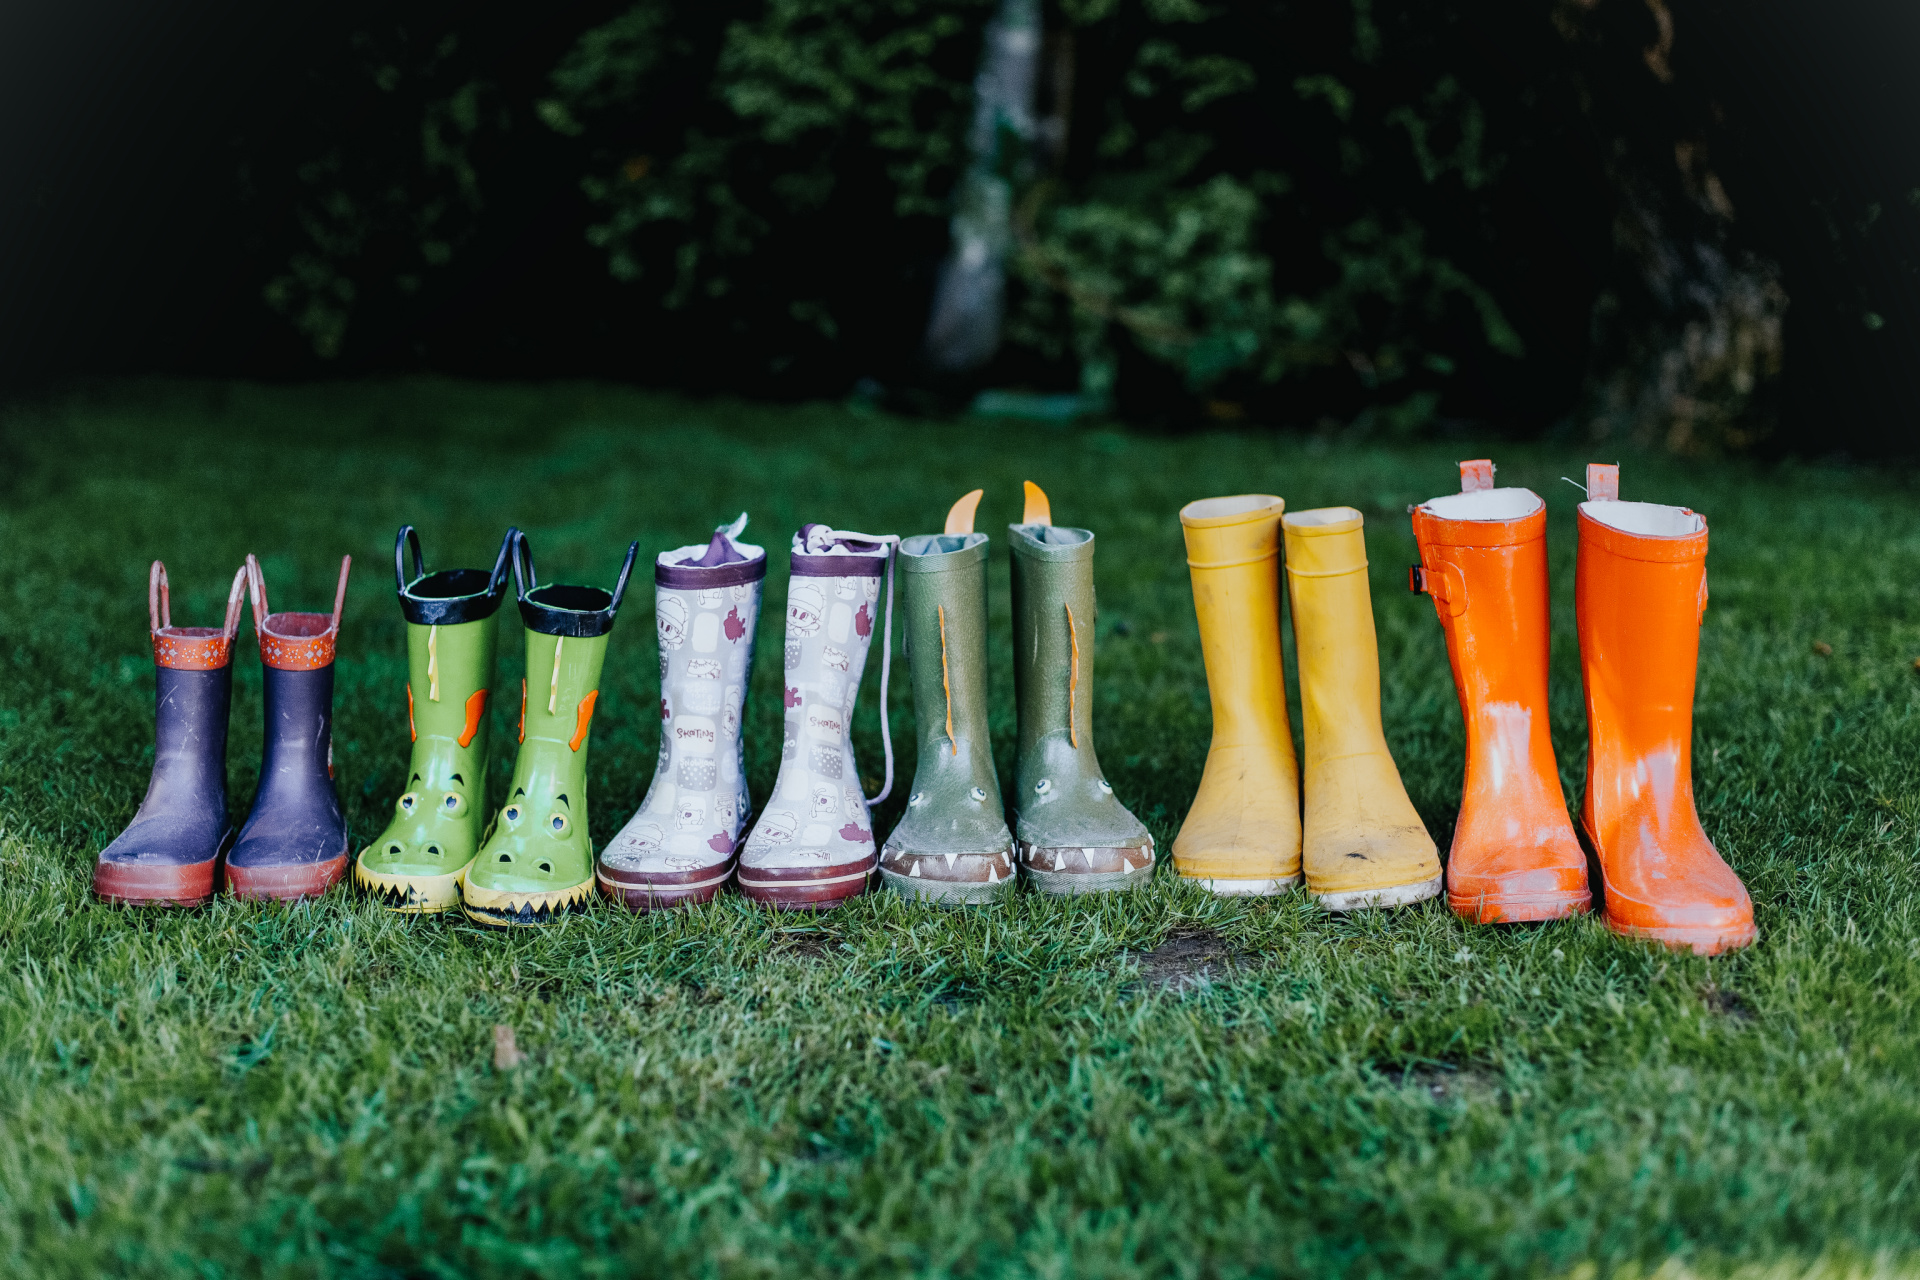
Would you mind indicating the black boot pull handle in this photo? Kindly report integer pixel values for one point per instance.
(626, 571)
(525, 577)
(404, 539)
(499, 578)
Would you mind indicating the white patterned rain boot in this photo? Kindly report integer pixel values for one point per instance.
(678, 849)
(813, 847)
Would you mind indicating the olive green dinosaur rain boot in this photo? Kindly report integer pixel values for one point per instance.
(1072, 834)
(952, 846)
(416, 864)
(539, 860)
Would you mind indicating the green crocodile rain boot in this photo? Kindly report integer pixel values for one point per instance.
(416, 864)
(1072, 834)
(952, 847)
(538, 862)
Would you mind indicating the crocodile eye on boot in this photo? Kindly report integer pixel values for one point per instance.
(169, 853)
(1242, 835)
(1640, 592)
(1364, 844)
(294, 842)
(415, 865)
(812, 847)
(679, 848)
(952, 846)
(1071, 832)
(1483, 560)
(538, 861)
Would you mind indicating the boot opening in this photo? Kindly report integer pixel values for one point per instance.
(1055, 536)
(1240, 504)
(298, 626)
(452, 584)
(571, 598)
(1485, 504)
(1646, 519)
(1321, 516)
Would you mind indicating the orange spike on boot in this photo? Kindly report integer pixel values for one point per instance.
(1483, 559)
(1641, 591)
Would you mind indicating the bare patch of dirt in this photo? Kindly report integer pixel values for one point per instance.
(1727, 1004)
(1188, 960)
(805, 944)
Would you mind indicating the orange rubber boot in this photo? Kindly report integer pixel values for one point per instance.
(1641, 592)
(1483, 559)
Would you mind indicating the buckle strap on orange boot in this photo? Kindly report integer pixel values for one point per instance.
(1483, 554)
(1641, 590)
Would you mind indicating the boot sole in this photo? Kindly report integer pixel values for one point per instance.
(1225, 888)
(946, 893)
(1530, 909)
(813, 893)
(286, 883)
(1399, 895)
(1067, 884)
(496, 909)
(651, 896)
(182, 885)
(1702, 942)
(411, 895)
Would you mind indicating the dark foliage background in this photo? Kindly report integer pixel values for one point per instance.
(1692, 224)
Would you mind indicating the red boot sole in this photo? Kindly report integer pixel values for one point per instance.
(184, 885)
(283, 884)
(810, 891)
(664, 895)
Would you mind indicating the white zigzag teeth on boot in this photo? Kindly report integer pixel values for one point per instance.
(1395, 896)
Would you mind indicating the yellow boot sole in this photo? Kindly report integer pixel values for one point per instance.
(508, 910)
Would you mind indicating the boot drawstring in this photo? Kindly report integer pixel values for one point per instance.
(1073, 681)
(946, 686)
(433, 663)
(553, 689)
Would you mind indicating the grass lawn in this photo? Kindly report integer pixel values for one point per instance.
(1163, 1084)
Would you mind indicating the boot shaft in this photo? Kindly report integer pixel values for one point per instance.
(1339, 656)
(1233, 557)
(1640, 592)
(945, 589)
(452, 640)
(1054, 614)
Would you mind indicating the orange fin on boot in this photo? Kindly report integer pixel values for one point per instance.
(960, 515)
(1039, 510)
(584, 718)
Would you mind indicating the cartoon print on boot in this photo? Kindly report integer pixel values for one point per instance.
(711, 591)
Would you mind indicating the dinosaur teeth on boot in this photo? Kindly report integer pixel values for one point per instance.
(679, 846)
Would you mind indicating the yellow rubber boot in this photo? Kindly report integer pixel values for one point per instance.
(1365, 845)
(1242, 835)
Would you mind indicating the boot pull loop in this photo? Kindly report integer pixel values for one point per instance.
(401, 541)
(525, 577)
(340, 592)
(234, 594)
(1476, 475)
(892, 541)
(1603, 482)
(257, 594)
(499, 578)
(159, 614)
(626, 571)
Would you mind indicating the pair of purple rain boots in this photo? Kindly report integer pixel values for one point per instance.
(181, 844)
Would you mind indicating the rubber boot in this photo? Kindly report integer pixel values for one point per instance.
(294, 842)
(169, 853)
(538, 861)
(416, 864)
(1071, 832)
(1364, 845)
(1483, 559)
(1641, 590)
(679, 848)
(1242, 834)
(952, 846)
(812, 848)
